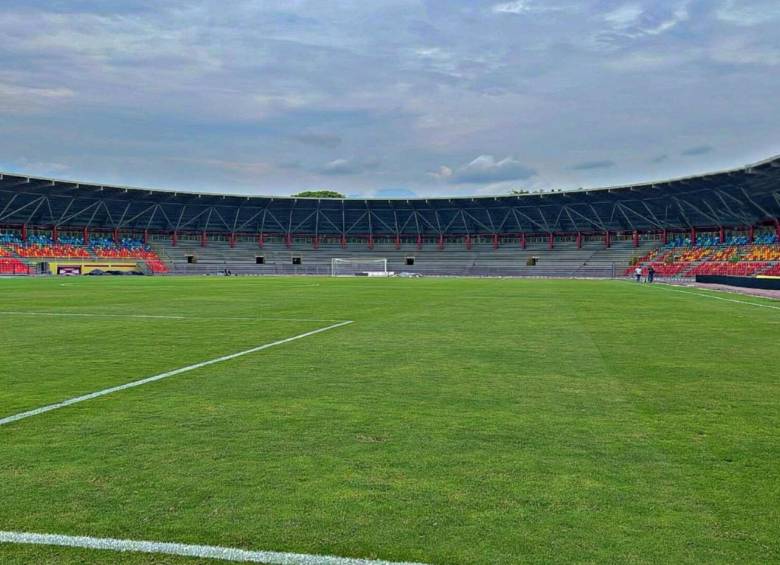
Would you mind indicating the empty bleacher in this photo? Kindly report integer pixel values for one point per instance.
(735, 256)
(508, 259)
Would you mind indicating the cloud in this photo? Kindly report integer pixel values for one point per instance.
(634, 21)
(247, 169)
(518, 7)
(485, 169)
(698, 150)
(589, 165)
(742, 51)
(24, 165)
(276, 95)
(339, 167)
(318, 139)
(660, 159)
(744, 13)
(27, 99)
(624, 16)
(431, 53)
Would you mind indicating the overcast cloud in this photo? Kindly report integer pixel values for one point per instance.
(399, 97)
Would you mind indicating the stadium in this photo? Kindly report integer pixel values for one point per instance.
(383, 418)
(410, 282)
(717, 224)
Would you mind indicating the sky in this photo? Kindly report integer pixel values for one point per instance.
(386, 98)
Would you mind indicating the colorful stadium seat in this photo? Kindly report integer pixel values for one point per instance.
(735, 258)
(40, 246)
(13, 266)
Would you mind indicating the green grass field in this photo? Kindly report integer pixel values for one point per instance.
(455, 421)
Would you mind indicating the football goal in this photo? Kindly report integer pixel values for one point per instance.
(358, 267)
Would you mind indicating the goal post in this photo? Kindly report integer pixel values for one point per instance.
(358, 267)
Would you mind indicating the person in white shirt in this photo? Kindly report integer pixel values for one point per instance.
(638, 273)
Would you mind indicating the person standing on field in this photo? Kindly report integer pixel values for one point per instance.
(650, 274)
(638, 273)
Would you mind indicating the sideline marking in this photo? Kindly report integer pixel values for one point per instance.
(161, 316)
(90, 396)
(202, 551)
(668, 286)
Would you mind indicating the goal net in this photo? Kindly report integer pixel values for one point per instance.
(359, 267)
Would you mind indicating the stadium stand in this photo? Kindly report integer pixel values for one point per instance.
(564, 260)
(718, 219)
(12, 266)
(773, 271)
(69, 247)
(736, 257)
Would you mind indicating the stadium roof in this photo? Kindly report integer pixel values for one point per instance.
(739, 197)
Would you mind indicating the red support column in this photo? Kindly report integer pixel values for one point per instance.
(777, 229)
(174, 238)
(343, 241)
(315, 243)
(751, 234)
(204, 238)
(419, 241)
(523, 242)
(55, 234)
(722, 235)
(636, 238)
(261, 240)
(440, 243)
(579, 240)
(607, 239)
(550, 240)
(370, 241)
(85, 236)
(693, 237)
(116, 236)
(232, 240)
(24, 232)
(397, 241)
(467, 241)
(664, 237)
(146, 237)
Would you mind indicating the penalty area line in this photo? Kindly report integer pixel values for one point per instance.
(757, 304)
(186, 550)
(90, 396)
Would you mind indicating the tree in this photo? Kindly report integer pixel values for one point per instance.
(319, 194)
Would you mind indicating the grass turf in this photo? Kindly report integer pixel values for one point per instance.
(456, 421)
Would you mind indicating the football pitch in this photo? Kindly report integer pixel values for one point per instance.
(437, 421)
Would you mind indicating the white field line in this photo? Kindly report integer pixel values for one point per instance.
(160, 316)
(202, 551)
(759, 305)
(90, 396)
